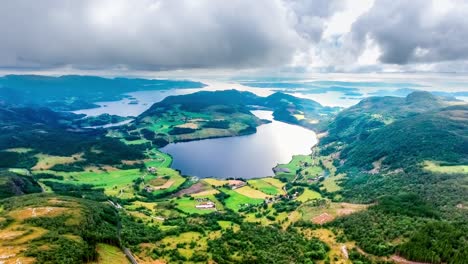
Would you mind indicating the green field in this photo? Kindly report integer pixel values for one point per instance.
(308, 195)
(295, 164)
(330, 184)
(110, 255)
(237, 200)
(19, 171)
(187, 205)
(111, 181)
(134, 142)
(48, 161)
(307, 166)
(158, 159)
(434, 167)
(99, 179)
(174, 176)
(268, 187)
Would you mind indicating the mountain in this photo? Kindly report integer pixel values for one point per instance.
(222, 113)
(440, 135)
(408, 158)
(27, 131)
(300, 111)
(72, 92)
(371, 113)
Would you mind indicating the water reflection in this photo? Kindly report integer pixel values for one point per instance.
(249, 156)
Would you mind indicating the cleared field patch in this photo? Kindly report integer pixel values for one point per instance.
(219, 183)
(447, 169)
(19, 171)
(46, 162)
(171, 242)
(134, 142)
(338, 253)
(11, 255)
(18, 150)
(308, 195)
(111, 181)
(165, 186)
(188, 205)
(191, 125)
(101, 179)
(275, 182)
(158, 181)
(322, 218)
(157, 159)
(330, 184)
(302, 165)
(299, 116)
(312, 171)
(147, 205)
(252, 193)
(205, 193)
(175, 180)
(328, 212)
(110, 255)
(215, 182)
(237, 200)
(19, 237)
(269, 186)
(228, 224)
(37, 212)
(198, 188)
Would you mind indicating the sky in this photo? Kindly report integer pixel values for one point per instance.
(261, 36)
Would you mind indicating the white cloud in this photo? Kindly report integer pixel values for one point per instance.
(341, 22)
(311, 35)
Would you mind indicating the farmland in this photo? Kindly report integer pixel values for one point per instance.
(447, 169)
(111, 181)
(110, 255)
(308, 195)
(270, 186)
(237, 200)
(47, 161)
(315, 204)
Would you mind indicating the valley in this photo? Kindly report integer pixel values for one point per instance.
(367, 192)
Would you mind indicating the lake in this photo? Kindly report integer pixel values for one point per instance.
(250, 156)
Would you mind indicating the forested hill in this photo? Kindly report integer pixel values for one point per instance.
(371, 113)
(409, 157)
(44, 228)
(203, 99)
(41, 130)
(440, 135)
(72, 92)
(286, 108)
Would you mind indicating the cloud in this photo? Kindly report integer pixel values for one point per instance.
(308, 35)
(416, 31)
(146, 34)
(311, 16)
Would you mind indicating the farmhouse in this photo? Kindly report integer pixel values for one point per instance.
(206, 205)
(151, 169)
(234, 184)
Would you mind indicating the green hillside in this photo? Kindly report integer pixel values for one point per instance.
(54, 229)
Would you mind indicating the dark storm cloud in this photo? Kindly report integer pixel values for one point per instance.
(414, 31)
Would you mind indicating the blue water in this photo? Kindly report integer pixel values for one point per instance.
(250, 156)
